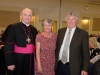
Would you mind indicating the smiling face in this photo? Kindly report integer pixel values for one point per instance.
(47, 27)
(26, 16)
(71, 20)
(47, 24)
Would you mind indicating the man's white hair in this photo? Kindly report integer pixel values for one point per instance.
(26, 9)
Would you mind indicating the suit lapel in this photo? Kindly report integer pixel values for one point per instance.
(75, 35)
(63, 34)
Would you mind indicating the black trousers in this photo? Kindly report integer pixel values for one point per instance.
(62, 69)
(24, 64)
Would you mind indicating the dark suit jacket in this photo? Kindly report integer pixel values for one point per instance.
(79, 50)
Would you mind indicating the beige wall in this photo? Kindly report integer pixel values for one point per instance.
(50, 9)
(90, 16)
(8, 17)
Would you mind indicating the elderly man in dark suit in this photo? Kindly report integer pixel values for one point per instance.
(72, 54)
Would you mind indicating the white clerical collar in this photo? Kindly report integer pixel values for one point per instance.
(25, 23)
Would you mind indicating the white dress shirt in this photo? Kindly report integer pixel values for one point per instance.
(62, 46)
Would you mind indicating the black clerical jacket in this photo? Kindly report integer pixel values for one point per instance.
(16, 35)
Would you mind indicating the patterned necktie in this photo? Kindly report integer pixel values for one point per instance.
(65, 50)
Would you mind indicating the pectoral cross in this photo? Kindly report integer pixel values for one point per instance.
(28, 40)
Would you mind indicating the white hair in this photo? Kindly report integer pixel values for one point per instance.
(26, 9)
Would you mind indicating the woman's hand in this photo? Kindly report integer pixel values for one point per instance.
(39, 69)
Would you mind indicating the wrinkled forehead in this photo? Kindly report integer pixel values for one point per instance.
(70, 16)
